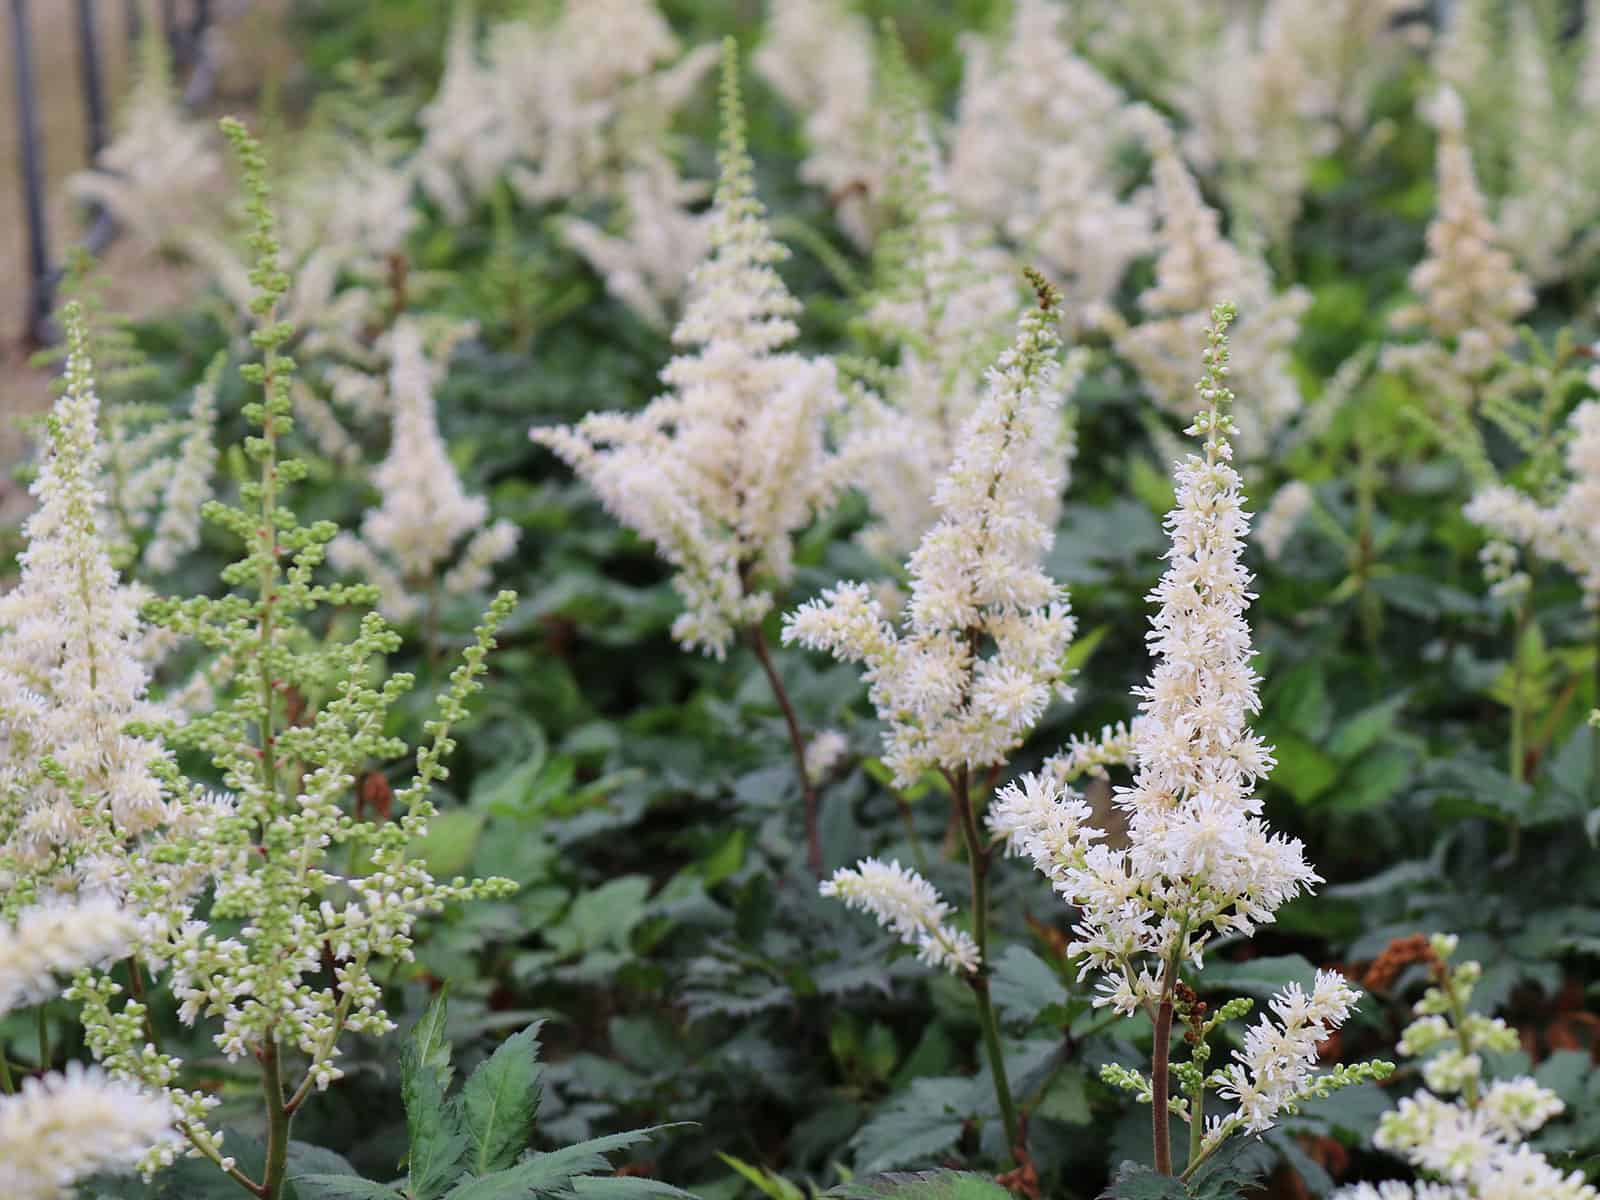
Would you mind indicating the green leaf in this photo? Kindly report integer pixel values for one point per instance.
(1362, 731)
(1300, 700)
(341, 1187)
(915, 1125)
(437, 1143)
(921, 1185)
(768, 1183)
(450, 842)
(631, 1187)
(548, 1174)
(1135, 1182)
(1303, 770)
(603, 917)
(1023, 984)
(500, 1101)
(1258, 977)
(1067, 1099)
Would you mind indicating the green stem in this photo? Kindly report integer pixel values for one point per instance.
(1197, 1125)
(277, 1164)
(8, 1085)
(978, 862)
(137, 989)
(1458, 1014)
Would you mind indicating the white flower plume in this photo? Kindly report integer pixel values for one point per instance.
(1200, 860)
(976, 580)
(908, 906)
(719, 472)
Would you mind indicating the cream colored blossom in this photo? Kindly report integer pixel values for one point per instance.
(908, 906)
(721, 470)
(976, 581)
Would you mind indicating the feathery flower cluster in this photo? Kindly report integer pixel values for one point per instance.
(1037, 151)
(64, 1127)
(53, 940)
(82, 801)
(1473, 1145)
(425, 512)
(1273, 1071)
(1469, 291)
(719, 472)
(948, 303)
(1201, 861)
(157, 176)
(818, 56)
(558, 108)
(1567, 529)
(1196, 263)
(909, 906)
(976, 579)
(303, 884)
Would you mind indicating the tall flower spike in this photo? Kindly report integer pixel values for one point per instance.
(425, 511)
(976, 579)
(720, 471)
(77, 793)
(1200, 860)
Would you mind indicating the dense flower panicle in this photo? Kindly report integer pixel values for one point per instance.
(56, 940)
(909, 907)
(64, 1127)
(1084, 755)
(720, 471)
(1566, 529)
(79, 796)
(425, 511)
(158, 175)
(1474, 1143)
(976, 579)
(818, 55)
(1037, 151)
(1274, 1069)
(1195, 263)
(1200, 859)
(559, 108)
(1469, 292)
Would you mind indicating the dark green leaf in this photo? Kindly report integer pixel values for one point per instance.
(500, 1101)
(341, 1187)
(1023, 985)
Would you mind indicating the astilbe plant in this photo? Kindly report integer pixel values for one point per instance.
(980, 652)
(306, 899)
(719, 472)
(1472, 1147)
(62, 1127)
(1200, 861)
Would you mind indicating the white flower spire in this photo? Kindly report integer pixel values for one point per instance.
(976, 578)
(908, 906)
(425, 511)
(721, 470)
(1200, 859)
(76, 790)
(55, 940)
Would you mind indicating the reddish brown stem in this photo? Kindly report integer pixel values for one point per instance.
(797, 743)
(1160, 1119)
